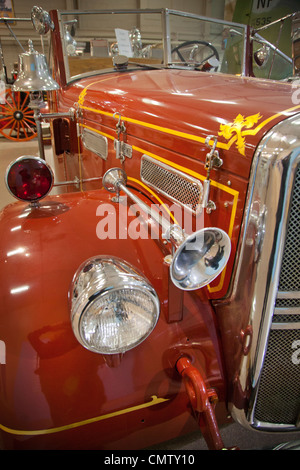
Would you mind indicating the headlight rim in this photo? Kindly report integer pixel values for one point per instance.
(89, 296)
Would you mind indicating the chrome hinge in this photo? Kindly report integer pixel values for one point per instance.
(122, 149)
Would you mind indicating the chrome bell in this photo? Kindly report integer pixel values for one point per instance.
(33, 74)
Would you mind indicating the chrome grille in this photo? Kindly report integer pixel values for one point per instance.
(290, 273)
(282, 303)
(173, 184)
(278, 399)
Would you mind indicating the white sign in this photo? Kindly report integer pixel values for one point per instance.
(124, 43)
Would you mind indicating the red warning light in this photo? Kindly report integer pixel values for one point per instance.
(29, 178)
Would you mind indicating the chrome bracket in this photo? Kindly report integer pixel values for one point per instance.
(122, 149)
(212, 160)
(71, 114)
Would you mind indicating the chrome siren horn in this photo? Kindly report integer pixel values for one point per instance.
(198, 258)
(33, 72)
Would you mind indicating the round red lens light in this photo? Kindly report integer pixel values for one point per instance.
(29, 178)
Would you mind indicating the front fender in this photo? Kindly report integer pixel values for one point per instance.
(48, 380)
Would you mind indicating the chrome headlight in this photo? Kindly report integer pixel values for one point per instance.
(113, 307)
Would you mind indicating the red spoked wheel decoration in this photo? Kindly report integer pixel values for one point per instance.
(16, 118)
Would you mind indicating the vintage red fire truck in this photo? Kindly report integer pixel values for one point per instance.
(150, 277)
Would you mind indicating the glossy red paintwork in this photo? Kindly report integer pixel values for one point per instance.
(49, 380)
(176, 108)
(53, 392)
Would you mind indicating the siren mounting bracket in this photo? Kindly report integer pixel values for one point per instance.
(212, 160)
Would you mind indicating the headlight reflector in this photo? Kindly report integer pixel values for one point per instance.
(113, 307)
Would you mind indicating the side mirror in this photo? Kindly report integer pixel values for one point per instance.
(41, 20)
(262, 55)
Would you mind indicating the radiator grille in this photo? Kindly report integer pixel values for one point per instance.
(173, 184)
(278, 398)
(290, 273)
(289, 302)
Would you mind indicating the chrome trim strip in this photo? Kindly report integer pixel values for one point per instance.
(288, 295)
(287, 311)
(286, 326)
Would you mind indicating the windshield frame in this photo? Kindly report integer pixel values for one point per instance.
(166, 36)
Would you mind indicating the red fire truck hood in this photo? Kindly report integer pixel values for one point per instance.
(184, 107)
